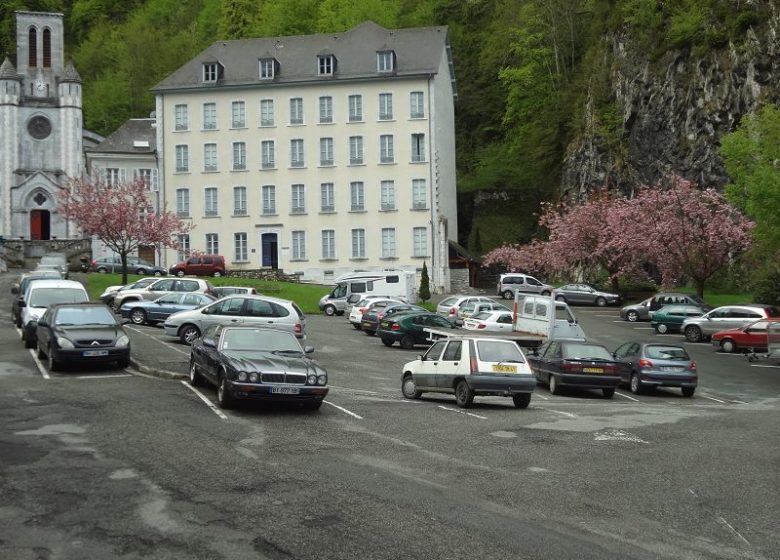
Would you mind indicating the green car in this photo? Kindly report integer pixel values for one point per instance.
(670, 317)
(408, 329)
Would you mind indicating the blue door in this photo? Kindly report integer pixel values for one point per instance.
(270, 250)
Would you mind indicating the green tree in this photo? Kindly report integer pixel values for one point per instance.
(341, 15)
(425, 285)
(236, 19)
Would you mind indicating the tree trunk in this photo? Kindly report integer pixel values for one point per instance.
(699, 288)
(615, 285)
(123, 255)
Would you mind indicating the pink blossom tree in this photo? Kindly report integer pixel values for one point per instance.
(120, 215)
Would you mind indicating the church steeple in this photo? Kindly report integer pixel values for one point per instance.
(8, 71)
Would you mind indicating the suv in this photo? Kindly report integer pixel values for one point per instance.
(204, 265)
(135, 265)
(508, 284)
(697, 329)
(469, 366)
(160, 288)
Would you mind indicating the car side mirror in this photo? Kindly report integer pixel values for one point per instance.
(421, 357)
(42, 323)
(21, 303)
(208, 341)
(15, 289)
(308, 349)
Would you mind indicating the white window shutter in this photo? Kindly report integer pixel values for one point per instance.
(122, 175)
(154, 186)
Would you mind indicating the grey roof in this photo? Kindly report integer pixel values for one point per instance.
(8, 71)
(69, 73)
(418, 51)
(122, 140)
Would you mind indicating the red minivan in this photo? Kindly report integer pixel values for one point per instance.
(202, 265)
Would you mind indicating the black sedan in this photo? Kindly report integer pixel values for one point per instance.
(409, 329)
(576, 363)
(257, 364)
(81, 333)
(369, 323)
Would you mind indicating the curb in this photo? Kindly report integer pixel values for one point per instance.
(161, 373)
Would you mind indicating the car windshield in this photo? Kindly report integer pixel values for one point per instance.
(499, 351)
(44, 297)
(586, 352)
(70, 316)
(667, 353)
(260, 340)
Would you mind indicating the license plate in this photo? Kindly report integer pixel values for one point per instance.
(593, 370)
(86, 353)
(671, 368)
(285, 390)
(504, 369)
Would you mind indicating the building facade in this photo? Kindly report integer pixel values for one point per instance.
(318, 155)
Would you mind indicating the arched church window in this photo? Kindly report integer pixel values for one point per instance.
(47, 48)
(33, 48)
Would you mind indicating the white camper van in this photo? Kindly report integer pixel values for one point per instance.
(351, 287)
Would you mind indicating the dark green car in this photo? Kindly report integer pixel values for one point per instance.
(670, 317)
(408, 329)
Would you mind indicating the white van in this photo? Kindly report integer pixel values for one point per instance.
(39, 296)
(398, 284)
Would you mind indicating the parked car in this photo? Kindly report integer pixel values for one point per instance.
(222, 291)
(257, 364)
(467, 367)
(160, 287)
(81, 333)
(152, 312)
(365, 305)
(372, 317)
(354, 299)
(254, 311)
(58, 259)
(576, 363)
(585, 294)
(513, 282)
(450, 306)
(407, 328)
(489, 321)
(203, 265)
(472, 308)
(52, 267)
(20, 288)
(698, 329)
(110, 292)
(135, 265)
(39, 296)
(641, 311)
(670, 317)
(651, 365)
(752, 337)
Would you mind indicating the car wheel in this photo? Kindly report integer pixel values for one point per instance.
(632, 316)
(688, 391)
(554, 389)
(29, 342)
(407, 342)
(409, 387)
(41, 353)
(369, 332)
(387, 342)
(357, 326)
(601, 302)
(53, 364)
(102, 270)
(224, 398)
(141, 272)
(313, 405)
(608, 393)
(508, 294)
(138, 316)
(727, 345)
(330, 310)
(217, 273)
(662, 328)
(196, 379)
(158, 273)
(464, 396)
(521, 400)
(180, 273)
(545, 293)
(560, 298)
(18, 321)
(636, 384)
(188, 334)
(692, 333)
(122, 363)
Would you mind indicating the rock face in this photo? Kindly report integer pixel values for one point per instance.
(675, 111)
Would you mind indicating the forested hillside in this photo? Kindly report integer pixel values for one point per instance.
(555, 96)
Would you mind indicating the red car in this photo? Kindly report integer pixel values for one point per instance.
(750, 337)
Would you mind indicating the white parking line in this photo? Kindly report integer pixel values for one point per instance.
(203, 397)
(102, 376)
(344, 410)
(448, 409)
(171, 346)
(733, 530)
(762, 365)
(38, 363)
(569, 414)
(626, 396)
(713, 399)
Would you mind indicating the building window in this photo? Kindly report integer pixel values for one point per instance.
(298, 198)
(210, 72)
(209, 116)
(238, 112)
(355, 150)
(183, 203)
(355, 108)
(385, 61)
(210, 201)
(267, 68)
(327, 198)
(267, 112)
(358, 243)
(269, 155)
(182, 158)
(326, 109)
(183, 246)
(180, 117)
(419, 194)
(326, 65)
(269, 200)
(296, 152)
(328, 244)
(416, 104)
(32, 45)
(149, 177)
(326, 151)
(388, 243)
(385, 106)
(298, 245)
(112, 176)
(357, 197)
(420, 236)
(46, 48)
(386, 153)
(418, 147)
(387, 195)
(239, 201)
(296, 110)
(212, 244)
(239, 240)
(209, 157)
(239, 156)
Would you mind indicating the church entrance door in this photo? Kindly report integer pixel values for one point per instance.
(40, 224)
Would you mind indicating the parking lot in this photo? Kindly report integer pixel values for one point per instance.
(372, 475)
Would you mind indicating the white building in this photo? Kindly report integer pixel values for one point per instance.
(316, 154)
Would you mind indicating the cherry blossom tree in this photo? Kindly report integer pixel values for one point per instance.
(120, 215)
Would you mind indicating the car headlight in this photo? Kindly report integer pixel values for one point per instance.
(253, 377)
(311, 379)
(242, 376)
(322, 379)
(63, 342)
(122, 341)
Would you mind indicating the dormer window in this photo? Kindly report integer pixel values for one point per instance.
(326, 65)
(211, 72)
(385, 61)
(267, 68)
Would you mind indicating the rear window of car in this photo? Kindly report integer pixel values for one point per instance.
(584, 351)
(449, 301)
(188, 286)
(44, 297)
(481, 316)
(667, 353)
(498, 351)
(298, 310)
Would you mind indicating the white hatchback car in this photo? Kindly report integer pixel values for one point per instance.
(367, 304)
(489, 321)
(450, 306)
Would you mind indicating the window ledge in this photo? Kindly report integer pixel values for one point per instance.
(240, 262)
(355, 121)
(297, 167)
(329, 259)
(266, 126)
(299, 260)
(328, 212)
(242, 127)
(421, 256)
(268, 168)
(330, 123)
(356, 165)
(211, 216)
(270, 215)
(244, 215)
(211, 171)
(239, 170)
(388, 258)
(358, 259)
(298, 213)
(419, 208)
(296, 124)
(386, 120)
(386, 163)
(357, 211)
(209, 130)
(388, 209)
(176, 130)
(181, 172)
